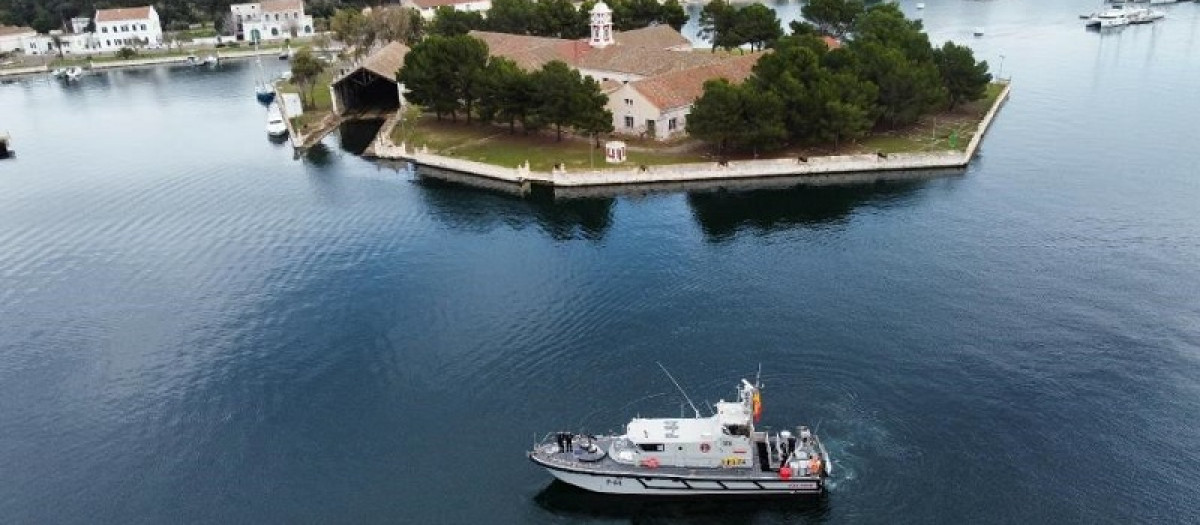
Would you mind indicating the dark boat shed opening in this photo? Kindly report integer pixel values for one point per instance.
(372, 86)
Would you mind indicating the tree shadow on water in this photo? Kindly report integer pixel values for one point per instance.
(573, 503)
(468, 208)
(723, 214)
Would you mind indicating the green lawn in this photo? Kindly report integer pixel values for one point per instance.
(321, 98)
(495, 145)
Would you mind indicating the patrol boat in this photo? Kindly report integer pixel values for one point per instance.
(723, 454)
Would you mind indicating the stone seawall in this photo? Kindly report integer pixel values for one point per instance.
(800, 168)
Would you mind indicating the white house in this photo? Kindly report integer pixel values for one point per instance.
(127, 27)
(271, 20)
(13, 38)
(427, 8)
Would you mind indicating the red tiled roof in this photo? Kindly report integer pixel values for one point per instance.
(280, 6)
(659, 36)
(533, 52)
(831, 42)
(124, 13)
(645, 61)
(681, 88)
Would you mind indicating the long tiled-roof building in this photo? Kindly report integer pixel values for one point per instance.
(651, 75)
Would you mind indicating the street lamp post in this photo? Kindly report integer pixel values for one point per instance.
(1000, 73)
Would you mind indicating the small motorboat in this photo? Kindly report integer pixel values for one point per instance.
(1146, 16)
(73, 73)
(59, 72)
(276, 127)
(285, 54)
(920, 6)
(720, 455)
(211, 60)
(193, 60)
(978, 31)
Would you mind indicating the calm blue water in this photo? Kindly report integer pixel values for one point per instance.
(196, 327)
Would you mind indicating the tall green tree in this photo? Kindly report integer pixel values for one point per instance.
(672, 13)
(718, 23)
(305, 70)
(964, 78)
(591, 114)
(757, 25)
(736, 117)
(555, 18)
(511, 16)
(833, 17)
(507, 93)
(448, 21)
(446, 74)
(555, 92)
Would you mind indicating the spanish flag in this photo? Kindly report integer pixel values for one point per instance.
(757, 406)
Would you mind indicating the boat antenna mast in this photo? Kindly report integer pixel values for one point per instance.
(681, 391)
(758, 378)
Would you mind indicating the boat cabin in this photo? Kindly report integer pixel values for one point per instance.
(720, 440)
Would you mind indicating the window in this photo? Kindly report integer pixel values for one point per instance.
(143, 27)
(671, 125)
(276, 17)
(104, 29)
(629, 102)
(652, 447)
(108, 43)
(629, 122)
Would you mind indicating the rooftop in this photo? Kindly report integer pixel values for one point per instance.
(387, 61)
(657, 36)
(123, 13)
(279, 6)
(15, 30)
(533, 52)
(681, 88)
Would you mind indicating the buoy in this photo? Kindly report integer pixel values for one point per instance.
(920, 6)
(785, 472)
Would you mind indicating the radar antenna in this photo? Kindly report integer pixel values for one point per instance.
(681, 391)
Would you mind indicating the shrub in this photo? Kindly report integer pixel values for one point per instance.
(126, 53)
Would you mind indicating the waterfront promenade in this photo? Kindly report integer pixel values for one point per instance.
(853, 166)
(144, 61)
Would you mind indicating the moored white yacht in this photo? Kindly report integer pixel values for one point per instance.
(276, 127)
(720, 455)
(1116, 15)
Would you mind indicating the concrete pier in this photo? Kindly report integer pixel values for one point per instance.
(827, 168)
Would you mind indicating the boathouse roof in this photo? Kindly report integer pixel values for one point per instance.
(387, 61)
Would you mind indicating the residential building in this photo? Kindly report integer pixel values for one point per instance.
(427, 8)
(270, 20)
(127, 27)
(14, 38)
(651, 75)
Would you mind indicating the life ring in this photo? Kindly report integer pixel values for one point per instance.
(705, 447)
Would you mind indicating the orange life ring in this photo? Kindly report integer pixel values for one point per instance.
(704, 447)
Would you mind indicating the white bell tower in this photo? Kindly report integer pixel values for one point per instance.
(602, 34)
